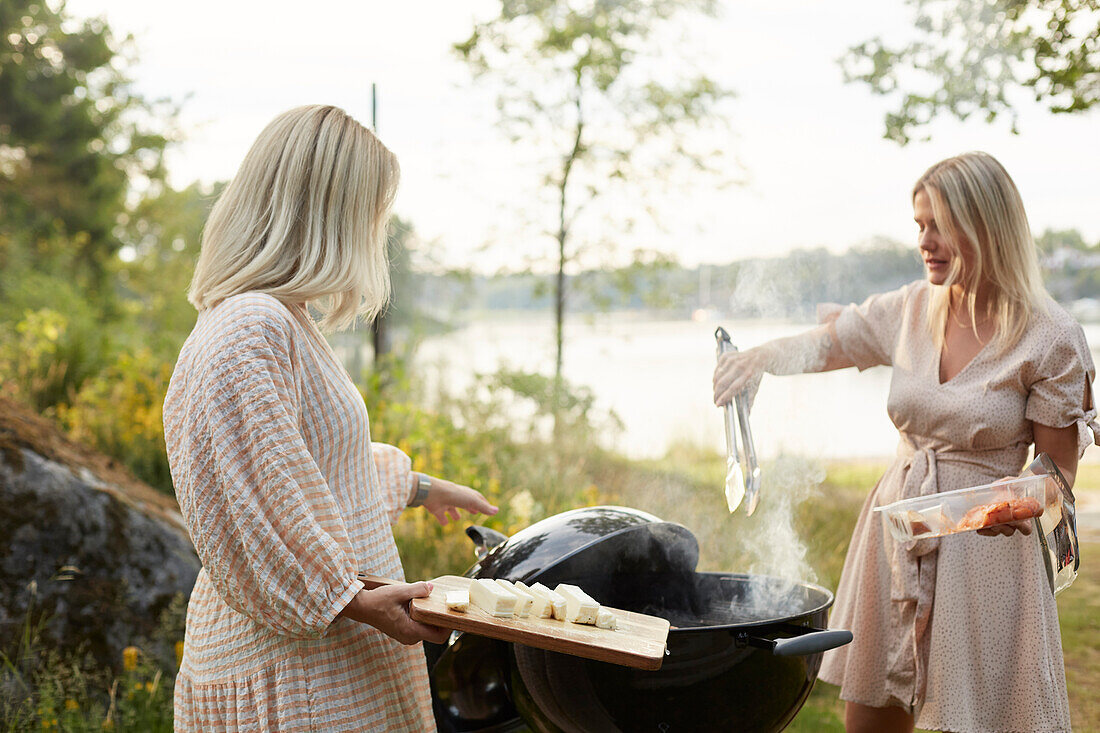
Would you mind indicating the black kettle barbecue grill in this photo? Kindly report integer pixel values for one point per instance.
(742, 655)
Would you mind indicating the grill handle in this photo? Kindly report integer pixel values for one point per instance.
(811, 641)
(485, 540)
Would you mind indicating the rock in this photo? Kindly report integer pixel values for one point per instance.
(91, 552)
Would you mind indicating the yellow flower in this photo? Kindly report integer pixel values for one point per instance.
(72, 704)
(522, 505)
(591, 495)
(148, 686)
(129, 658)
(179, 653)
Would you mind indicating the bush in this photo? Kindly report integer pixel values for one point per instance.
(47, 356)
(41, 690)
(118, 411)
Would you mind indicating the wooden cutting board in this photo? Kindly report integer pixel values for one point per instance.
(639, 641)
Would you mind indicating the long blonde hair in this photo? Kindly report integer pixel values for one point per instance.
(304, 219)
(976, 206)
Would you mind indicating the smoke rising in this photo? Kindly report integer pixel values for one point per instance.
(769, 540)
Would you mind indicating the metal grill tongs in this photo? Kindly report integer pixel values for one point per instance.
(742, 468)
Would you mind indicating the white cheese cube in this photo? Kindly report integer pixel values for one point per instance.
(607, 620)
(492, 598)
(580, 608)
(557, 602)
(540, 607)
(524, 600)
(457, 600)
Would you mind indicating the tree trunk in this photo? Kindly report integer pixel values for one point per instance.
(562, 237)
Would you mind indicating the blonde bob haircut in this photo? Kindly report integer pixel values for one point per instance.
(979, 211)
(304, 220)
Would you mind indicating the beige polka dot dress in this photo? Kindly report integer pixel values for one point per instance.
(963, 630)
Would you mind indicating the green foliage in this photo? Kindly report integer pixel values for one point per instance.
(87, 335)
(72, 141)
(161, 237)
(44, 691)
(118, 412)
(973, 54)
(49, 354)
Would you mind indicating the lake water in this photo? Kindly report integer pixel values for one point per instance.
(656, 376)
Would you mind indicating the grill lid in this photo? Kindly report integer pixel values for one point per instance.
(631, 539)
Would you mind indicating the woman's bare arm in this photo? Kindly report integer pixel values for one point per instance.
(1061, 445)
(817, 350)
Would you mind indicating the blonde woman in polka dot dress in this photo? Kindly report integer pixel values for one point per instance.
(961, 633)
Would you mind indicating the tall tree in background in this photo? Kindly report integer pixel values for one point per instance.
(76, 159)
(589, 84)
(73, 143)
(161, 240)
(974, 56)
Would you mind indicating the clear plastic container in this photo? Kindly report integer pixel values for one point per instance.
(965, 510)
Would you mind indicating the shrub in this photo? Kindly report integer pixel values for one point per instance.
(118, 411)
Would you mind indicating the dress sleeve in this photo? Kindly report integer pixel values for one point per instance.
(868, 332)
(395, 476)
(1062, 395)
(260, 513)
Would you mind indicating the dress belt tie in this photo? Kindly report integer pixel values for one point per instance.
(913, 565)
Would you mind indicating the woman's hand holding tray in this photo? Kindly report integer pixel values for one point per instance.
(638, 642)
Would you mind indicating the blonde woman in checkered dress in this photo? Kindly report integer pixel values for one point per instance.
(284, 494)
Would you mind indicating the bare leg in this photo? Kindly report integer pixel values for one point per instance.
(865, 719)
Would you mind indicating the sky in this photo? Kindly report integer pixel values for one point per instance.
(817, 170)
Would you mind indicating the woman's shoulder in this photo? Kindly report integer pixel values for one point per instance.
(916, 290)
(1054, 338)
(245, 316)
(252, 306)
(1051, 322)
(906, 301)
(911, 292)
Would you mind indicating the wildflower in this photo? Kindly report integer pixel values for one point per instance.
(72, 704)
(179, 653)
(591, 495)
(129, 658)
(523, 506)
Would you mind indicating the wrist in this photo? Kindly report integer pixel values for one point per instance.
(359, 608)
(767, 357)
(422, 485)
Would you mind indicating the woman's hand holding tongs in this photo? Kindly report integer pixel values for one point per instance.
(737, 372)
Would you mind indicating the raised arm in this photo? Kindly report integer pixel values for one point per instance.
(862, 336)
(817, 350)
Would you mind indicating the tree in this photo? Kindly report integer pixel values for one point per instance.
(161, 236)
(73, 143)
(976, 56)
(579, 81)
